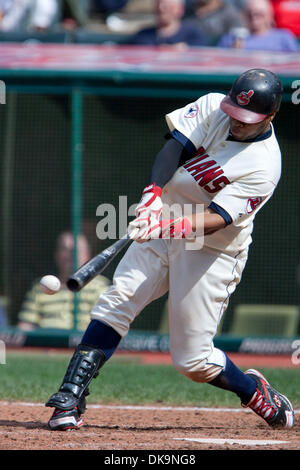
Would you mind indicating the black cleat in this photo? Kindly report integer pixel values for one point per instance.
(271, 405)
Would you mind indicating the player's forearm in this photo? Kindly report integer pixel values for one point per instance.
(166, 162)
(210, 222)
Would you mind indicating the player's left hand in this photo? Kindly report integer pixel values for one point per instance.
(150, 204)
(143, 229)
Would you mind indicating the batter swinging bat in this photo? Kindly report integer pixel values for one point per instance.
(96, 265)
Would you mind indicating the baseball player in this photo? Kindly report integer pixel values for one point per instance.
(222, 155)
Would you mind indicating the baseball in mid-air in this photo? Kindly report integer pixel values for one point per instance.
(50, 284)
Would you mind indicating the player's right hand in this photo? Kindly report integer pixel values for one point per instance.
(150, 204)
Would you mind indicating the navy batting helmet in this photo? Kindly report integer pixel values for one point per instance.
(254, 95)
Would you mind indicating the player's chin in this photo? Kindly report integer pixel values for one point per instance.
(239, 134)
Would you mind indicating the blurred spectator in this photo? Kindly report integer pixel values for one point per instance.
(261, 33)
(169, 28)
(287, 15)
(240, 4)
(190, 5)
(119, 16)
(27, 15)
(56, 311)
(214, 18)
(74, 14)
(109, 6)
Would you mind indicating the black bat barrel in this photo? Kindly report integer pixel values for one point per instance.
(96, 265)
(73, 284)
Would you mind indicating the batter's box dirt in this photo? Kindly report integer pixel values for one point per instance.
(25, 428)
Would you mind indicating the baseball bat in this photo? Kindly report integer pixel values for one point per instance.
(96, 265)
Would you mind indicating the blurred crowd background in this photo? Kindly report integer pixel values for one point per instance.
(249, 24)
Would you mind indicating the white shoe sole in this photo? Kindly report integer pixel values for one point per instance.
(65, 423)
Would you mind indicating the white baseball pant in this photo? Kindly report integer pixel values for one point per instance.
(199, 284)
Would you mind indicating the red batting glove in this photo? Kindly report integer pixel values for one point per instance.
(176, 228)
(143, 229)
(150, 203)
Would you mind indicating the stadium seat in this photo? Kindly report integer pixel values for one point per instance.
(265, 320)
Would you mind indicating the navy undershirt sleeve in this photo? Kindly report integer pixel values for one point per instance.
(188, 145)
(219, 210)
(174, 153)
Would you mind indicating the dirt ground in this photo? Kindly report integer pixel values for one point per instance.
(24, 427)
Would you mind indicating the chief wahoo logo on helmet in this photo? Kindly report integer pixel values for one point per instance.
(244, 97)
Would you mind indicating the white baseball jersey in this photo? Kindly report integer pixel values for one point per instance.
(238, 177)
